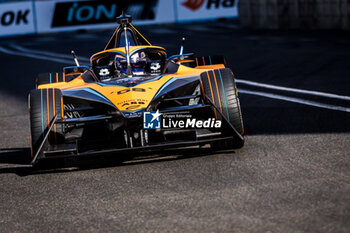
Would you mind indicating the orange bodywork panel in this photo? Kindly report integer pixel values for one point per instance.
(135, 97)
(126, 98)
(217, 66)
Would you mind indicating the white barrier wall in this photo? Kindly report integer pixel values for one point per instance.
(69, 15)
(16, 19)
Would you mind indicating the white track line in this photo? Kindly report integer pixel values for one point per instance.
(40, 52)
(316, 93)
(7, 51)
(294, 100)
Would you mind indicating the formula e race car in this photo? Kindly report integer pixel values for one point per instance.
(134, 98)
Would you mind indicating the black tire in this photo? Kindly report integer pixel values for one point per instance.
(55, 77)
(220, 87)
(44, 104)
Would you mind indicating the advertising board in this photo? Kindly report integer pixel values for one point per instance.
(187, 10)
(28, 17)
(73, 15)
(16, 18)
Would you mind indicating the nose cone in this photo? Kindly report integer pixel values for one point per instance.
(132, 99)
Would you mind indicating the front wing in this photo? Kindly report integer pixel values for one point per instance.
(72, 150)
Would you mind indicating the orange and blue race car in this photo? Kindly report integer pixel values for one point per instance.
(134, 98)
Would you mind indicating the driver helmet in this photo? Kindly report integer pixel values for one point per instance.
(137, 63)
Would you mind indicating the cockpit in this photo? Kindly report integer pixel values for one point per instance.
(128, 54)
(143, 61)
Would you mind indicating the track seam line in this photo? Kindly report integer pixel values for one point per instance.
(295, 100)
(275, 87)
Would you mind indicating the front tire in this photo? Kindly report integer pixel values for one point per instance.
(44, 105)
(220, 87)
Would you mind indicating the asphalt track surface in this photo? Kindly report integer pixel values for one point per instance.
(293, 174)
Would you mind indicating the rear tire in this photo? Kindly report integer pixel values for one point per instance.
(220, 87)
(55, 77)
(44, 104)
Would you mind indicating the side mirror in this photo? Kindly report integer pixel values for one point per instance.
(75, 70)
(179, 58)
(78, 70)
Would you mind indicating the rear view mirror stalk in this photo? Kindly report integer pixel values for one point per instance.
(75, 58)
(182, 45)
